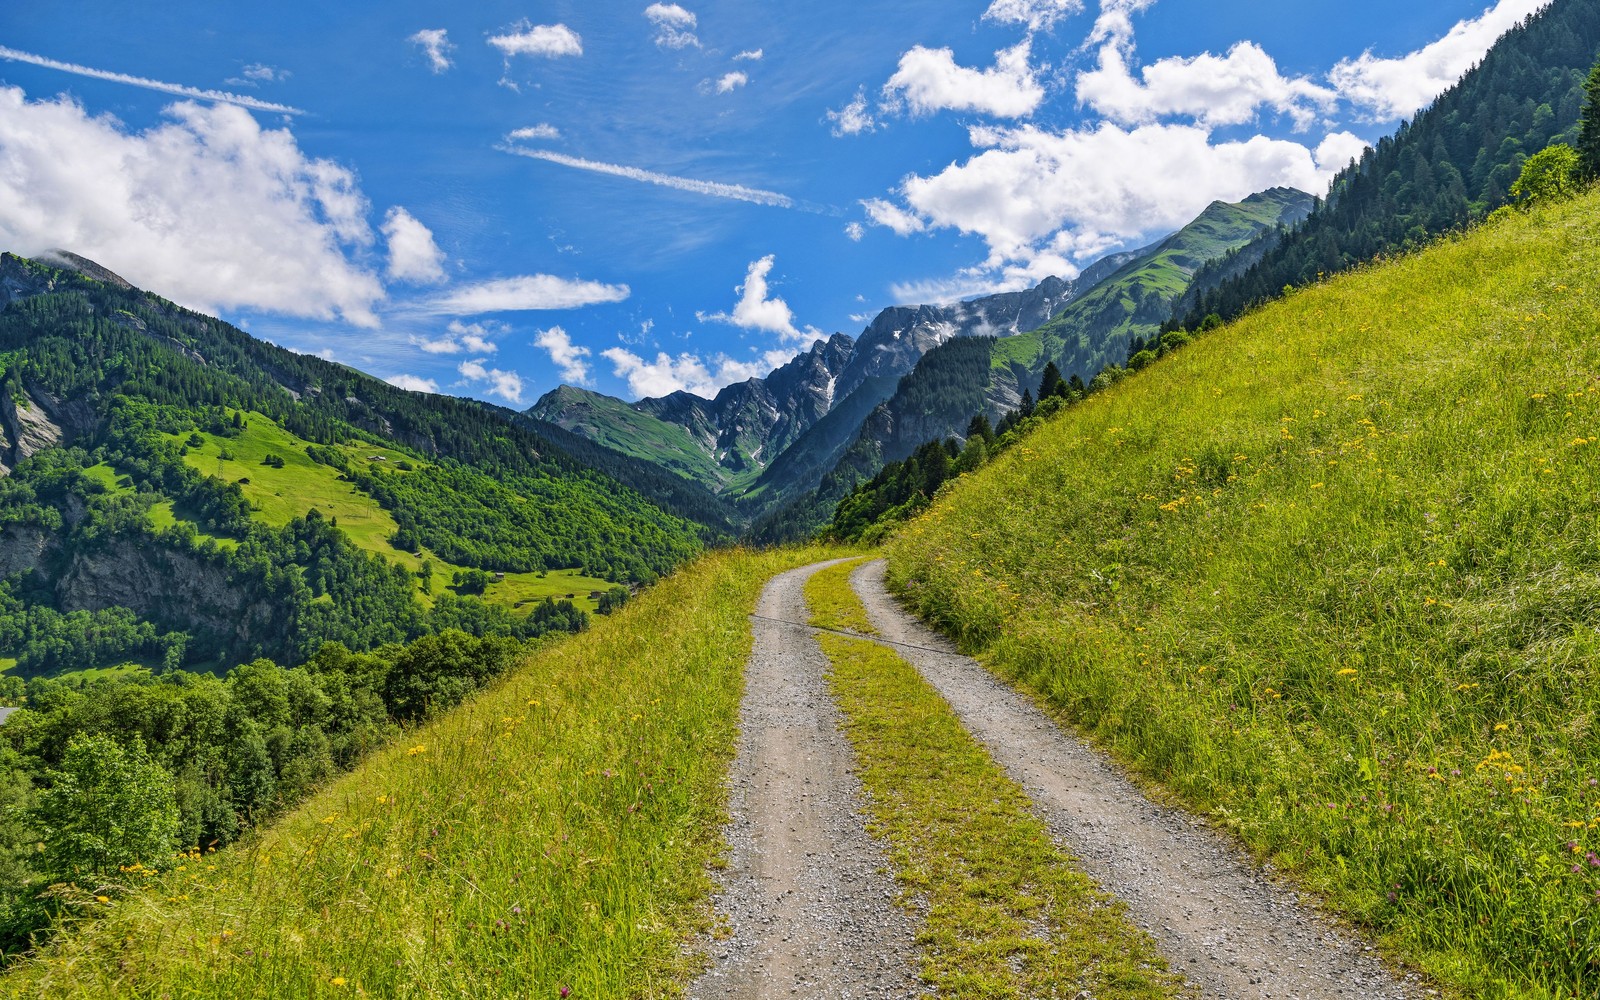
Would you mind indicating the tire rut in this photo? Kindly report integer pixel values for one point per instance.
(806, 892)
(1214, 913)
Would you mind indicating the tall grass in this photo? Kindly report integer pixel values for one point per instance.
(552, 833)
(1333, 574)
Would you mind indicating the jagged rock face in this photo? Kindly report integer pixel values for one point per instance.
(151, 581)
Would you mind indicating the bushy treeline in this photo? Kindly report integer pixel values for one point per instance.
(1452, 165)
(206, 757)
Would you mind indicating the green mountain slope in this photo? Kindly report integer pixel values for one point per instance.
(1454, 163)
(1331, 575)
(1096, 330)
(164, 463)
(611, 422)
(960, 378)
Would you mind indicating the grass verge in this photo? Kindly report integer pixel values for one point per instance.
(1332, 575)
(551, 833)
(1006, 913)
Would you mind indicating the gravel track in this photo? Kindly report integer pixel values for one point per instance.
(806, 892)
(1214, 913)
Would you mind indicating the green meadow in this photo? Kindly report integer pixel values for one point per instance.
(1332, 575)
(552, 833)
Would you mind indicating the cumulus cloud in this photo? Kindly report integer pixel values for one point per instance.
(757, 310)
(413, 256)
(548, 41)
(753, 55)
(687, 372)
(548, 133)
(730, 82)
(566, 355)
(492, 381)
(524, 293)
(464, 338)
(714, 189)
(413, 383)
(435, 46)
(255, 74)
(674, 25)
(891, 216)
(207, 208)
(928, 80)
(161, 86)
(1395, 88)
(855, 231)
(1038, 15)
(1214, 90)
(854, 118)
(1042, 199)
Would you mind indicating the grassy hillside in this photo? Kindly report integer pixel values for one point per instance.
(615, 424)
(550, 834)
(1332, 574)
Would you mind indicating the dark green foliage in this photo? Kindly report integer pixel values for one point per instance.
(1588, 143)
(1456, 162)
(1051, 383)
(112, 772)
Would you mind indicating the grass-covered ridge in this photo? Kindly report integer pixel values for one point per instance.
(552, 832)
(1333, 574)
(1006, 913)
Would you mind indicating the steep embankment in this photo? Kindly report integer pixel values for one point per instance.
(1331, 573)
(551, 833)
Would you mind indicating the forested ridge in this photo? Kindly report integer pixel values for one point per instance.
(1453, 164)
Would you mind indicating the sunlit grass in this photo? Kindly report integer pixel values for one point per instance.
(1006, 914)
(553, 832)
(1333, 574)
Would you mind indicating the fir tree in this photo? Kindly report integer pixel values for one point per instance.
(1589, 128)
(1050, 384)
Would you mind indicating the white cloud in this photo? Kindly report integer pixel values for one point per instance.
(756, 311)
(541, 131)
(413, 383)
(892, 216)
(207, 208)
(492, 381)
(674, 25)
(928, 80)
(1214, 90)
(464, 338)
(1038, 15)
(687, 372)
(854, 118)
(1115, 23)
(565, 354)
(752, 55)
(413, 256)
(176, 89)
(549, 41)
(1041, 199)
(1395, 88)
(736, 192)
(731, 81)
(255, 74)
(855, 231)
(435, 45)
(527, 292)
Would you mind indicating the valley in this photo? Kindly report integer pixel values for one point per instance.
(1185, 584)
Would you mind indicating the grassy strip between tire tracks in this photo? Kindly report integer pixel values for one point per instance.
(1006, 914)
(552, 833)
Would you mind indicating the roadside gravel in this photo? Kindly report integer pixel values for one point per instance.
(1216, 915)
(806, 894)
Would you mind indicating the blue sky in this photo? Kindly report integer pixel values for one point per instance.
(491, 199)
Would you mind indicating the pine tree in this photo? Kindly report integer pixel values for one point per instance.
(1050, 384)
(1027, 403)
(1589, 128)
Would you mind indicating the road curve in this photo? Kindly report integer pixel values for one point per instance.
(1215, 915)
